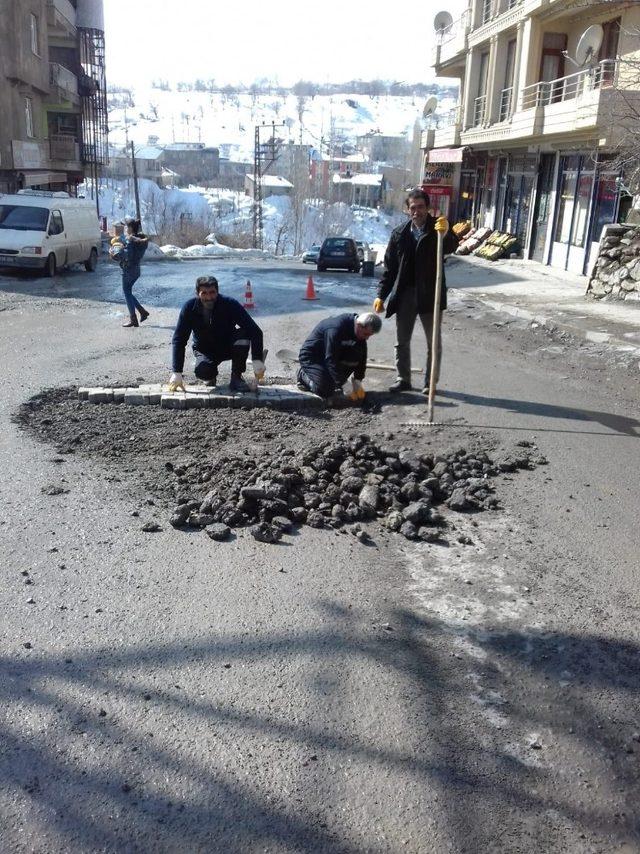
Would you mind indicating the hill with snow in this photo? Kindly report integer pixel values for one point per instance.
(227, 121)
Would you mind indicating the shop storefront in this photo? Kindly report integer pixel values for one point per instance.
(475, 187)
(587, 199)
(517, 178)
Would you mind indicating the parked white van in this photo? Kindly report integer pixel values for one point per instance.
(46, 230)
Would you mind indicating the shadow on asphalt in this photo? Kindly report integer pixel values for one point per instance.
(206, 805)
(622, 424)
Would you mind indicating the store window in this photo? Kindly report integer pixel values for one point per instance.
(605, 204)
(576, 186)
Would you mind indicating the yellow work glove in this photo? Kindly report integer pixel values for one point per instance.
(357, 391)
(442, 225)
(378, 305)
(258, 370)
(176, 383)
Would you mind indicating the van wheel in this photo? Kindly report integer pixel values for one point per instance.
(92, 262)
(50, 266)
(321, 268)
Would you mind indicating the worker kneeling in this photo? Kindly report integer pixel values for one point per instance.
(336, 350)
(222, 330)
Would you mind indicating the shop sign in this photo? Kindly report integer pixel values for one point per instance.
(441, 173)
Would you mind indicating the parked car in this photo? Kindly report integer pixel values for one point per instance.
(46, 230)
(311, 255)
(341, 253)
(363, 248)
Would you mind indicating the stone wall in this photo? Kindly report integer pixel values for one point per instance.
(616, 274)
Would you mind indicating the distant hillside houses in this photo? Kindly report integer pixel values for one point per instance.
(369, 177)
(178, 164)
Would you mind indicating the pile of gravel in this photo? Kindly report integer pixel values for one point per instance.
(340, 483)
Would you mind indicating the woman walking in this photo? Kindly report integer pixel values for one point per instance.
(135, 245)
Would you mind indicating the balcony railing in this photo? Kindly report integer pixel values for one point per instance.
(64, 147)
(547, 92)
(494, 8)
(63, 78)
(506, 99)
(479, 110)
(450, 118)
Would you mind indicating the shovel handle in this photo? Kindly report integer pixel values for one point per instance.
(435, 334)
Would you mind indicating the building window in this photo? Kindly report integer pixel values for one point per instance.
(28, 115)
(35, 35)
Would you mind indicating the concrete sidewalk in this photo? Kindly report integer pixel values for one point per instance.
(553, 298)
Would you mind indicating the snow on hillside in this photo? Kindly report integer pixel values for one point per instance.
(228, 121)
(217, 214)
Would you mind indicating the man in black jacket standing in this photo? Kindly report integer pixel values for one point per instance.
(222, 330)
(335, 350)
(409, 280)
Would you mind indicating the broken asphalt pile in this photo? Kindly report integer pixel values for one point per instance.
(337, 484)
(258, 469)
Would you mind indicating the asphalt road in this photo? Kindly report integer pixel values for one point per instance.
(179, 695)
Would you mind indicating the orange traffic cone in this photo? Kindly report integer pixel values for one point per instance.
(311, 291)
(248, 296)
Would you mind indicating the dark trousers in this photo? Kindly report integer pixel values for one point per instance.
(207, 363)
(317, 379)
(406, 316)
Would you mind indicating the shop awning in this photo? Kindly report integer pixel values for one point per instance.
(33, 179)
(445, 155)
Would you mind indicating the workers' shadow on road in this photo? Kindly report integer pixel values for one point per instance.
(616, 423)
(452, 752)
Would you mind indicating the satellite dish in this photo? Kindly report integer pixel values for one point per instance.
(430, 107)
(589, 44)
(442, 22)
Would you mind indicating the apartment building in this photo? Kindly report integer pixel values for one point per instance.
(529, 147)
(52, 93)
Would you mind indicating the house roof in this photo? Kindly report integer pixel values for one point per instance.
(148, 152)
(366, 180)
(273, 181)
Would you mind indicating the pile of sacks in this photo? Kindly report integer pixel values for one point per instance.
(337, 484)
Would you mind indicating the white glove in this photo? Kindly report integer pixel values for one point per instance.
(176, 383)
(258, 369)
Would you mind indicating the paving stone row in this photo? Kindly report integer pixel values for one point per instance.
(201, 397)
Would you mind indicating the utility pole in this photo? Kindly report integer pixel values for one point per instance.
(135, 181)
(264, 154)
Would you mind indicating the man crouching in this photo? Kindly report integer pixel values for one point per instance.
(335, 350)
(222, 330)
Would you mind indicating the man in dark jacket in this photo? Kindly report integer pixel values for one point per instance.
(336, 349)
(409, 280)
(222, 330)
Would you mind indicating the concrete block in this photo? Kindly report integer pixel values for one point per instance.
(196, 401)
(173, 400)
(155, 397)
(118, 395)
(99, 395)
(134, 397)
(83, 393)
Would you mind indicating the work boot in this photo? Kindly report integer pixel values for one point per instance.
(237, 383)
(400, 385)
(143, 314)
(133, 321)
